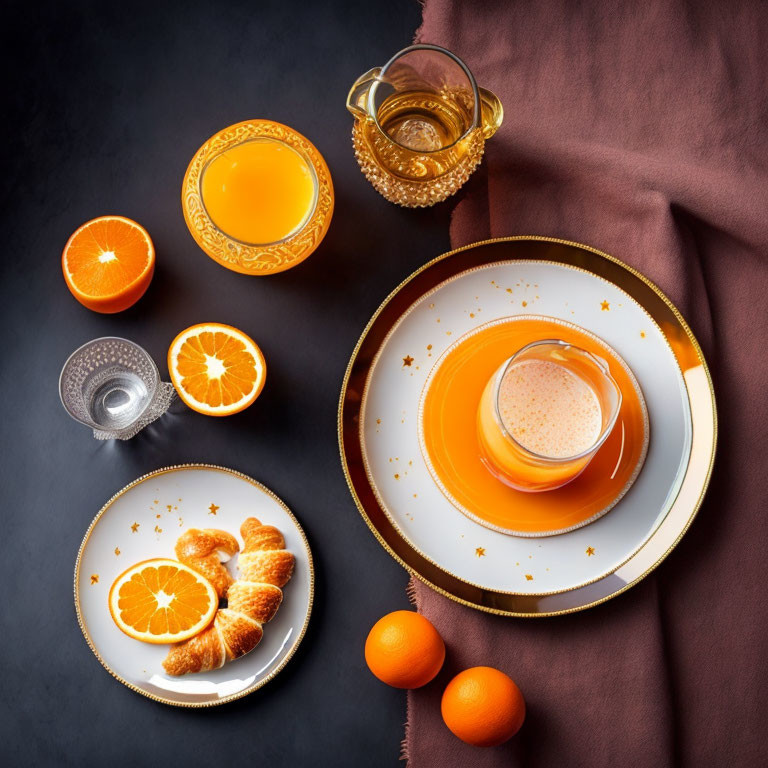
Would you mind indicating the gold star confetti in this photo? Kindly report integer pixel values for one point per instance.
(135, 528)
(117, 550)
(213, 509)
(528, 577)
(509, 290)
(604, 306)
(378, 421)
(525, 303)
(471, 314)
(158, 516)
(642, 334)
(156, 501)
(397, 477)
(407, 360)
(94, 578)
(480, 552)
(590, 551)
(170, 507)
(158, 529)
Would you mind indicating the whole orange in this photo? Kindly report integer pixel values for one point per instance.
(483, 706)
(404, 650)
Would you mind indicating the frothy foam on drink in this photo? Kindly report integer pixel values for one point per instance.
(548, 409)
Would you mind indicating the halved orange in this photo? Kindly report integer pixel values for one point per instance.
(162, 601)
(108, 263)
(216, 369)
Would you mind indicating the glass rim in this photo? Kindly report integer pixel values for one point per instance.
(90, 343)
(600, 362)
(307, 216)
(378, 79)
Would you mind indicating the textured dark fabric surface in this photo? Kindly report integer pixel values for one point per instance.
(640, 129)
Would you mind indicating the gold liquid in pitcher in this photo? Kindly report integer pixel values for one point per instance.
(420, 126)
(422, 121)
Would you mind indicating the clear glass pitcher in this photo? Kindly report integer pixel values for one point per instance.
(421, 122)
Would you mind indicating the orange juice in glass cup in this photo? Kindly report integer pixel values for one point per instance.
(258, 197)
(259, 191)
(545, 413)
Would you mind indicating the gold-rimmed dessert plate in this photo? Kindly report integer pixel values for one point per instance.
(143, 521)
(418, 522)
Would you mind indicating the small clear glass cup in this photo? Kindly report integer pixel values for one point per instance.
(113, 386)
(520, 467)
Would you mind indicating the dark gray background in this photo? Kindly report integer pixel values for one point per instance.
(105, 103)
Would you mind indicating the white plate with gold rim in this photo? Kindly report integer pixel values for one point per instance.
(391, 482)
(143, 521)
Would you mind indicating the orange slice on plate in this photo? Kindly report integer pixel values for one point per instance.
(108, 263)
(216, 369)
(162, 601)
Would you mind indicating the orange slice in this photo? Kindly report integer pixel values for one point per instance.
(216, 369)
(162, 601)
(108, 263)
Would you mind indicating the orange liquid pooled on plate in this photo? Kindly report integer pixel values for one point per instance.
(548, 409)
(258, 192)
(450, 427)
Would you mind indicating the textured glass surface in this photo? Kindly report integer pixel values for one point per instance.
(113, 386)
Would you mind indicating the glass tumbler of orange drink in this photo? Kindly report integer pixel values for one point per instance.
(258, 197)
(545, 413)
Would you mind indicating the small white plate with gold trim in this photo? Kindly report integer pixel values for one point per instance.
(143, 521)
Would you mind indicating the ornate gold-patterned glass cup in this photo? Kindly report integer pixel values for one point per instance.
(421, 122)
(258, 197)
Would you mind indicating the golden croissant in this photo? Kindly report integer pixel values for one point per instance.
(252, 600)
(201, 550)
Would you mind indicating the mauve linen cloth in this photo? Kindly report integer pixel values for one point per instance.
(640, 129)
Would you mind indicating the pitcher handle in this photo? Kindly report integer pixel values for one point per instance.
(357, 98)
(492, 112)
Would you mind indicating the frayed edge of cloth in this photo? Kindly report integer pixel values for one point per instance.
(404, 755)
(417, 34)
(410, 591)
